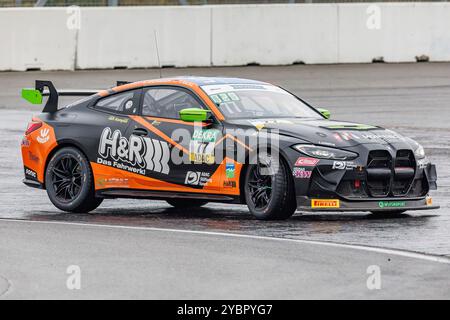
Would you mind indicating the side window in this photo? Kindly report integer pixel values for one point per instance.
(119, 103)
(167, 102)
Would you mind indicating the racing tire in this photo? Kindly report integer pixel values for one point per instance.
(69, 181)
(186, 203)
(270, 197)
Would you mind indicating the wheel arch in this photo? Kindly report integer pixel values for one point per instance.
(60, 145)
(282, 156)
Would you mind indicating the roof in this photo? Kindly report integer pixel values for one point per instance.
(189, 80)
(201, 81)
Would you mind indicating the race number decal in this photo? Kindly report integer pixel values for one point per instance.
(202, 145)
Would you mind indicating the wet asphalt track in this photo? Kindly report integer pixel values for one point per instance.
(413, 99)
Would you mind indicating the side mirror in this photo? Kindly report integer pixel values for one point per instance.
(194, 114)
(31, 95)
(325, 113)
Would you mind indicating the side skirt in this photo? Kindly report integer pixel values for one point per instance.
(162, 195)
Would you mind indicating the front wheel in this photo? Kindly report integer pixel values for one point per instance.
(69, 182)
(269, 196)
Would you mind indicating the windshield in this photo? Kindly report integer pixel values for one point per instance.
(243, 101)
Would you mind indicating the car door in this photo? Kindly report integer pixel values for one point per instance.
(113, 155)
(174, 147)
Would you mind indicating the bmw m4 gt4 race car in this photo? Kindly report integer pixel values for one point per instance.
(193, 140)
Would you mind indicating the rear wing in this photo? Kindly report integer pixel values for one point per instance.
(45, 88)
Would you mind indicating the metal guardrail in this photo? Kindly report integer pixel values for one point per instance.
(87, 3)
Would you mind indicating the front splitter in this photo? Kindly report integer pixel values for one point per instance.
(381, 204)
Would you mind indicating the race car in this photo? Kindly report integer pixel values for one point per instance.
(194, 140)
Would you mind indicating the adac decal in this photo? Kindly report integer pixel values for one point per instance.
(325, 203)
(43, 136)
(202, 145)
(30, 173)
(229, 170)
(136, 155)
(391, 204)
(344, 165)
(301, 173)
(197, 178)
(306, 162)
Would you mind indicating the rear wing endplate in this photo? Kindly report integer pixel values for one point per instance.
(46, 88)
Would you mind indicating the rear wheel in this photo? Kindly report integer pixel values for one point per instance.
(69, 181)
(186, 203)
(269, 196)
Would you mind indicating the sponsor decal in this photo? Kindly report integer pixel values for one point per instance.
(43, 135)
(429, 201)
(33, 157)
(361, 136)
(202, 145)
(349, 136)
(216, 99)
(25, 142)
(30, 173)
(301, 173)
(216, 89)
(422, 163)
(229, 170)
(205, 135)
(344, 165)
(306, 162)
(355, 126)
(325, 203)
(259, 124)
(118, 119)
(112, 181)
(197, 178)
(136, 154)
(129, 104)
(229, 184)
(156, 123)
(385, 136)
(326, 143)
(391, 204)
(100, 183)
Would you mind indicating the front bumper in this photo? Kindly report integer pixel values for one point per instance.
(373, 205)
(33, 183)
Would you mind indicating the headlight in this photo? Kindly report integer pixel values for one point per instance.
(419, 153)
(325, 152)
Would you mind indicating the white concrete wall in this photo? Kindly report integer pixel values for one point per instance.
(274, 34)
(222, 35)
(407, 30)
(114, 37)
(36, 39)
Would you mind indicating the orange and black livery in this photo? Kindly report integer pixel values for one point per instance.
(194, 140)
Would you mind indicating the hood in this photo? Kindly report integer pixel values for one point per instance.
(324, 132)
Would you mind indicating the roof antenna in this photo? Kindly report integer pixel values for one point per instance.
(157, 53)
